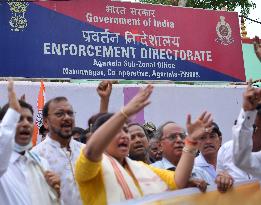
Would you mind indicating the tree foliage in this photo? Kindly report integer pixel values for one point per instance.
(245, 5)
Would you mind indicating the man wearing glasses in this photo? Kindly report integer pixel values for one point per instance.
(171, 137)
(59, 148)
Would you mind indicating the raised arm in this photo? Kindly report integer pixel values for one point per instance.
(243, 156)
(13, 102)
(104, 91)
(8, 128)
(102, 137)
(195, 130)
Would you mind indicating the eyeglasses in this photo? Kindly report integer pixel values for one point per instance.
(173, 137)
(62, 114)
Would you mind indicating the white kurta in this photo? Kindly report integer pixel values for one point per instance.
(225, 163)
(7, 134)
(21, 180)
(243, 156)
(62, 162)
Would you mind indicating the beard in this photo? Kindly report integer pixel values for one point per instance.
(61, 134)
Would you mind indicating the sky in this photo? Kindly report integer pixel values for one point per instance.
(252, 27)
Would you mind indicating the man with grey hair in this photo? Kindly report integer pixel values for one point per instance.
(172, 141)
(171, 137)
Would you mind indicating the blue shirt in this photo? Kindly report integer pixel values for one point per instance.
(204, 170)
(164, 164)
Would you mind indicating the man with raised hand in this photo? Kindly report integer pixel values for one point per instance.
(7, 128)
(243, 156)
(24, 178)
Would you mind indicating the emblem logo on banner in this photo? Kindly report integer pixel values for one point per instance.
(18, 22)
(224, 32)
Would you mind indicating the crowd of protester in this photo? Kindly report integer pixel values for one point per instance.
(114, 159)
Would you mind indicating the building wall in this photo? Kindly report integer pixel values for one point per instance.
(168, 102)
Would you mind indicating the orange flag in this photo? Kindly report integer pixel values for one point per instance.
(39, 117)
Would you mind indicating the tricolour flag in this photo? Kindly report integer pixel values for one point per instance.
(39, 117)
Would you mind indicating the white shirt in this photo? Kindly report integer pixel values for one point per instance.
(203, 170)
(164, 164)
(225, 163)
(7, 134)
(243, 156)
(62, 162)
(21, 182)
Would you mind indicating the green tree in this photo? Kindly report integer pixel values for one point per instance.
(245, 5)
